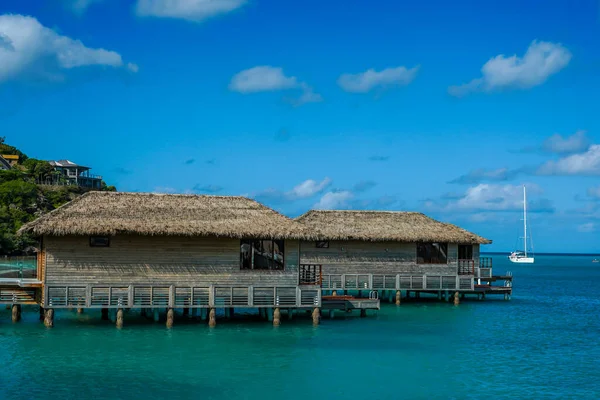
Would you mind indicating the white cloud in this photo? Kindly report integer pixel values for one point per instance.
(27, 48)
(334, 200)
(190, 10)
(586, 163)
(79, 6)
(571, 144)
(481, 175)
(541, 60)
(309, 188)
(594, 192)
(304, 190)
(587, 227)
(493, 197)
(265, 78)
(261, 79)
(133, 67)
(371, 79)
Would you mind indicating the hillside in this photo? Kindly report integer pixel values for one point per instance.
(22, 200)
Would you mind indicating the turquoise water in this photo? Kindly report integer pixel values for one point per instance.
(543, 344)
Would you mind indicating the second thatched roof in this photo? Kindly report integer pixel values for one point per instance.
(109, 213)
(385, 226)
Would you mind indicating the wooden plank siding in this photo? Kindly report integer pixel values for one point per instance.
(361, 257)
(159, 260)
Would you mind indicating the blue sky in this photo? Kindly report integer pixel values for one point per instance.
(441, 107)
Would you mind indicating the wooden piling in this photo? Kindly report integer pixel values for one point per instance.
(41, 313)
(363, 313)
(105, 314)
(456, 298)
(79, 310)
(170, 317)
(156, 315)
(186, 312)
(16, 312)
(276, 317)
(49, 318)
(212, 318)
(119, 322)
(290, 313)
(398, 297)
(334, 293)
(316, 316)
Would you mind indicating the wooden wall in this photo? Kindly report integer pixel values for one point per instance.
(353, 257)
(159, 260)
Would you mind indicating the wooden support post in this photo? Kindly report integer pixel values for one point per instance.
(276, 317)
(446, 296)
(290, 313)
(119, 322)
(204, 314)
(398, 297)
(439, 295)
(269, 314)
(41, 313)
(79, 310)
(143, 312)
(170, 317)
(49, 318)
(186, 311)
(334, 293)
(418, 295)
(16, 312)
(316, 316)
(212, 318)
(363, 313)
(156, 315)
(456, 298)
(105, 314)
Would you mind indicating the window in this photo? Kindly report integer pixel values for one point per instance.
(99, 241)
(261, 254)
(465, 252)
(432, 253)
(322, 244)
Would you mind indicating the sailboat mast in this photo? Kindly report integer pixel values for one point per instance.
(524, 221)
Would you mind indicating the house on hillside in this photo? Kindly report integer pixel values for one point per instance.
(11, 159)
(74, 174)
(4, 163)
(382, 250)
(142, 250)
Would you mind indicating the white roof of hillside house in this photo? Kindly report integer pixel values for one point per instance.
(66, 164)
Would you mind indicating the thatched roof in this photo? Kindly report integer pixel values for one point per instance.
(109, 213)
(386, 225)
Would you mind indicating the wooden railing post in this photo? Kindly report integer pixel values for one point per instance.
(211, 296)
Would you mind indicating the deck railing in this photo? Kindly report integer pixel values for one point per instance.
(466, 267)
(104, 296)
(397, 282)
(311, 274)
(12, 268)
(485, 262)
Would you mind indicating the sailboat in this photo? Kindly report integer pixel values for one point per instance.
(521, 256)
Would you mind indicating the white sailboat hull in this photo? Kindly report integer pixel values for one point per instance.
(521, 260)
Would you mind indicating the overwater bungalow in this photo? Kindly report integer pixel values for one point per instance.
(117, 251)
(390, 252)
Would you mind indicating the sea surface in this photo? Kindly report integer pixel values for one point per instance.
(542, 344)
